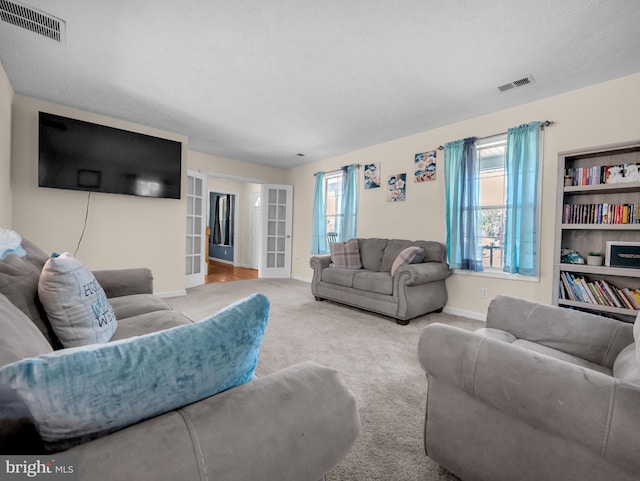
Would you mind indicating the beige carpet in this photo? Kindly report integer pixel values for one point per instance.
(376, 357)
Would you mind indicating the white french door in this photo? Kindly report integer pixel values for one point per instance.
(275, 255)
(195, 262)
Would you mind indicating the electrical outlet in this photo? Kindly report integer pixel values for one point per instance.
(484, 292)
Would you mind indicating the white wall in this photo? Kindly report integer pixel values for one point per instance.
(6, 98)
(602, 114)
(235, 169)
(122, 230)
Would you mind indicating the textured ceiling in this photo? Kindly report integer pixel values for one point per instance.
(263, 80)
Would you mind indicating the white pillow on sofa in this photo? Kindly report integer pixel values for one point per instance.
(75, 302)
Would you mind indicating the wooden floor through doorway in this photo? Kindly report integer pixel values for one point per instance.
(221, 272)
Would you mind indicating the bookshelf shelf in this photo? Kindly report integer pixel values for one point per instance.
(603, 188)
(597, 307)
(600, 270)
(601, 226)
(592, 167)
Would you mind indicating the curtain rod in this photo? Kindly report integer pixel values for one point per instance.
(543, 124)
(357, 166)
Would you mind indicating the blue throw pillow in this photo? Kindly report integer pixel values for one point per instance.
(81, 393)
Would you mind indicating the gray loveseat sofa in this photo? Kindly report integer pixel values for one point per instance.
(414, 290)
(541, 393)
(295, 424)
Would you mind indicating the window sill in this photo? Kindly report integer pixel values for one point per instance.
(496, 274)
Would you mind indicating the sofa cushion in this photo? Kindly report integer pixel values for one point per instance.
(563, 356)
(410, 255)
(345, 254)
(626, 366)
(378, 282)
(371, 252)
(507, 337)
(338, 276)
(433, 251)
(19, 282)
(20, 337)
(75, 302)
(147, 323)
(82, 393)
(136, 304)
(392, 251)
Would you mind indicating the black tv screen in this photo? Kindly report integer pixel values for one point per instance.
(79, 155)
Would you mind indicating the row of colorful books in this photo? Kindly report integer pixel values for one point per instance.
(598, 174)
(604, 213)
(598, 291)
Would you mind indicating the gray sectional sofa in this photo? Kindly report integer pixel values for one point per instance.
(541, 393)
(414, 290)
(295, 424)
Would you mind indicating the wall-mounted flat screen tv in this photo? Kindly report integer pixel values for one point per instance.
(78, 155)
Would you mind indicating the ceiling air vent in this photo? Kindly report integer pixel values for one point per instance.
(33, 20)
(516, 83)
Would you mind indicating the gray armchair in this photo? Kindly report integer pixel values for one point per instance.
(542, 393)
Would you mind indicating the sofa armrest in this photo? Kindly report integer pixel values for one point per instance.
(423, 273)
(594, 338)
(320, 262)
(125, 282)
(569, 401)
(292, 425)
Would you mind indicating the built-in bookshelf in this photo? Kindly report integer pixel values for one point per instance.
(597, 203)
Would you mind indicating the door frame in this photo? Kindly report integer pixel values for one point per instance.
(237, 204)
(254, 254)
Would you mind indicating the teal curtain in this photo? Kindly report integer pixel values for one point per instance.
(319, 220)
(462, 185)
(349, 207)
(522, 171)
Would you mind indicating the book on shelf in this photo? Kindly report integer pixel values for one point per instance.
(603, 213)
(596, 175)
(599, 291)
(634, 297)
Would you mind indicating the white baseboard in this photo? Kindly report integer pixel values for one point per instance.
(221, 261)
(461, 312)
(303, 279)
(167, 294)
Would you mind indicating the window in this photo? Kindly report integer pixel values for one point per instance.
(493, 199)
(333, 183)
(335, 208)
